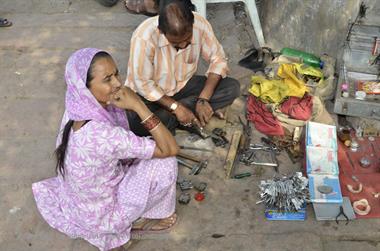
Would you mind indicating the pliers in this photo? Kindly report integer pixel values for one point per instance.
(341, 212)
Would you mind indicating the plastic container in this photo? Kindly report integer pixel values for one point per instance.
(307, 58)
(344, 135)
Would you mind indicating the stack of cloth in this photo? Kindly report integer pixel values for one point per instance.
(279, 104)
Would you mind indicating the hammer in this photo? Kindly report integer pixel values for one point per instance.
(195, 169)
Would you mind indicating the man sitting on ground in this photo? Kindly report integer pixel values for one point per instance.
(164, 55)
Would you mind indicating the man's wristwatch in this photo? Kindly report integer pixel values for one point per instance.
(173, 106)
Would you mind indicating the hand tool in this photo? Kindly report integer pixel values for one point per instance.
(218, 136)
(341, 212)
(201, 186)
(249, 157)
(185, 185)
(195, 148)
(189, 157)
(200, 131)
(274, 148)
(194, 169)
(201, 163)
(241, 175)
(184, 198)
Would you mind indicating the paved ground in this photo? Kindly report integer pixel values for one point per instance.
(33, 53)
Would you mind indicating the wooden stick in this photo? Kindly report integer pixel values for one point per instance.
(231, 155)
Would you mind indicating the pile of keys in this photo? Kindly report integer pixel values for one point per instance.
(288, 193)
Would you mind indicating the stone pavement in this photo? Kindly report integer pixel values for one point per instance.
(33, 54)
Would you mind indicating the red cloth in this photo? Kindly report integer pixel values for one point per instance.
(263, 119)
(298, 108)
(265, 122)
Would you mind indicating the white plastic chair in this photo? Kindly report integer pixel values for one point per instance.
(252, 11)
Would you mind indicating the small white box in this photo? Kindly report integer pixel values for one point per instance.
(326, 204)
(321, 160)
(321, 135)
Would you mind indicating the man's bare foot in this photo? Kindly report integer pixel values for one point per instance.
(145, 7)
(220, 113)
(155, 225)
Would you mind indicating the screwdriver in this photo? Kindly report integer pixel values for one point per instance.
(241, 175)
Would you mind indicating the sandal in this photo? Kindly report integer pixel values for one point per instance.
(5, 23)
(148, 225)
(126, 246)
(139, 7)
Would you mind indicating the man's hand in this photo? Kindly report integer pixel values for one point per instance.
(185, 116)
(204, 111)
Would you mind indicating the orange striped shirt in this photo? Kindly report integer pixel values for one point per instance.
(156, 68)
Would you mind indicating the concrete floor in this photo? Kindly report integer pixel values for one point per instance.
(33, 54)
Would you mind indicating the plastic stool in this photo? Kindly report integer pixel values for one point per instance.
(252, 11)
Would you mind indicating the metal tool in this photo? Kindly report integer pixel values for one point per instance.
(272, 152)
(249, 157)
(194, 169)
(241, 175)
(201, 163)
(341, 212)
(185, 185)
(269, 143)
(189, 157)
(218, 136)
(200, 131)
(195, 148)
(201, 186)
(184, 198)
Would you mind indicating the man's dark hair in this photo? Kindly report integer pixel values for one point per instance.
(175, 17)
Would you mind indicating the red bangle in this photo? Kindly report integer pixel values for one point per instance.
(151, 122)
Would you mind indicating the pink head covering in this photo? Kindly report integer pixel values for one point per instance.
(80, 103)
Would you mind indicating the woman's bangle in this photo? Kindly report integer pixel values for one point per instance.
(151, 122)
(154, 128)
(143, 121)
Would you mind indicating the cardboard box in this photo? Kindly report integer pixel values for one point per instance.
(274, 214)
(326, 205)
(321, 135)
(321, 160)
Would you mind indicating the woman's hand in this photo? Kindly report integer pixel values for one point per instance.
(125, 98)
(166, 145)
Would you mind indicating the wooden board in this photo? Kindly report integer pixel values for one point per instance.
(231, 155)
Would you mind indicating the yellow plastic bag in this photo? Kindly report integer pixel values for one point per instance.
(269, 91)
(275, 91)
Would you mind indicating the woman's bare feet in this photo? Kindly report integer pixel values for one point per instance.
(154, 225)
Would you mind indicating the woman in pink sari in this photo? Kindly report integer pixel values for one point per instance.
(109, 181)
